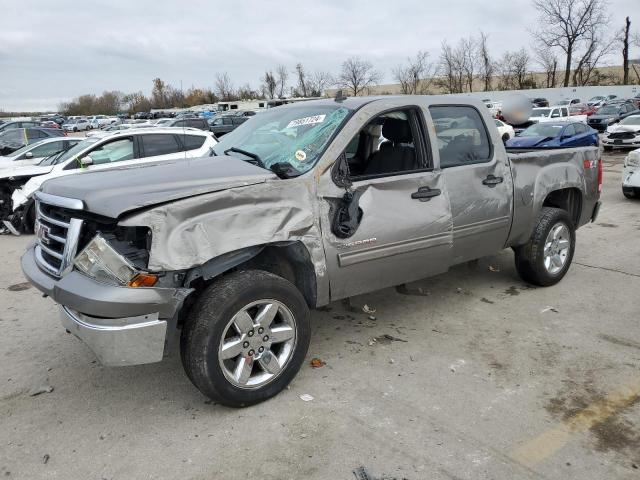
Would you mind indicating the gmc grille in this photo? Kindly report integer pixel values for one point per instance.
(57, 235)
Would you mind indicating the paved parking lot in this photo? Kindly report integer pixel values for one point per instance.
(469, 375)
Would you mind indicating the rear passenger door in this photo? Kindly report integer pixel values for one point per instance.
(478, 178)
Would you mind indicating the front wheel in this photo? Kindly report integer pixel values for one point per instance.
(246, 338)
(546, 258)
(629, 192)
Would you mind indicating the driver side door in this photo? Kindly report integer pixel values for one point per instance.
(404, 232)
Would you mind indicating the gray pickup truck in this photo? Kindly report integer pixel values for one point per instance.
(300, 206)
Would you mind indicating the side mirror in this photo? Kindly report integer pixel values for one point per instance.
(86, 161)
(28, 155)
(340, 172)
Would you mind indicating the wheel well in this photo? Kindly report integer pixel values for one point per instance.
(569, 199)
(290, 261)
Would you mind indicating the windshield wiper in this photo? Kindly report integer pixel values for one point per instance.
(255, 157)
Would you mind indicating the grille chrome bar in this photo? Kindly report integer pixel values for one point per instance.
(57, 238)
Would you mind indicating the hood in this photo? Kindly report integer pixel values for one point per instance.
(528, 141)
(24, 171)
(623, 128)
(116, 191)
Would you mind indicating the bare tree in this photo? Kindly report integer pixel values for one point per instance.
(415, 77)
(514, 70)
(546, 58)
(357, 75)
(625, 51)
(319, 82)
(566, 22)
(281, 77)
(466, 52)
(302, 90)
(449, 70)
(159, 93)
(486, 65)
(595, 48)
(269, 84)
(224, 87)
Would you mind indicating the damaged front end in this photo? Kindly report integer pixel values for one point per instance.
(97, 271)
(13, 221)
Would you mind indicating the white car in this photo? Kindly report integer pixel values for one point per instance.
(99, 121)
(76, 125)
(631, 175)
(34, 153)
(556, 113)
(116, 150)
(625, 133)
(506, 130)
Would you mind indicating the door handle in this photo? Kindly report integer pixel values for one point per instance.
(424, 194)
(492, 181)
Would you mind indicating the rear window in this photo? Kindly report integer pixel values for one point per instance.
(159, 144)
(192, 142)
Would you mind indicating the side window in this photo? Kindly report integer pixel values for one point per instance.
(569, 131)
(35, 134)
(390, 144)
(179, 123)
(555, 113)
(565, 112)
(192, 142)
(462, 136)
(580, 128)
(159, 144)
(194, 123)
(227, 121)
(114, 151)
(47, 149)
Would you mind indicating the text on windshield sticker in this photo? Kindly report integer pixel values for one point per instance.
(306, 121)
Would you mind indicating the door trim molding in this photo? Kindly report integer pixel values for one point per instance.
(396, 248)
(482, 226)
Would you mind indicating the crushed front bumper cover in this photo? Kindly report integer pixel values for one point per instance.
(121, 325)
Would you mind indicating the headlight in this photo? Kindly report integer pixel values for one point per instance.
(101, 261)
(632, 161)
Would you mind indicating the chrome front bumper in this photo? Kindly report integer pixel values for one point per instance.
(122, 325)
(119, 341)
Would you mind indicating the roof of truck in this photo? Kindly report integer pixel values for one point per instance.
(354, 103)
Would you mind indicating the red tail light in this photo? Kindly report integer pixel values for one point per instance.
(599, 175)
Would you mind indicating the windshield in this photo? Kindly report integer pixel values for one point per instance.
(634, 120)
(66, 155)
(540, 112)
(293, 135)
(542, 130)
(610, 110)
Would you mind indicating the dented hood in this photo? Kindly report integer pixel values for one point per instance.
(116, 191)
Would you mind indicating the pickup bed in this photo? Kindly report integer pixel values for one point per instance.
(301, 205)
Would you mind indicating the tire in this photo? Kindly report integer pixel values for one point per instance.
(211, 323)
(532, 264)
(505, 137)
(629, 192)
(75, 129)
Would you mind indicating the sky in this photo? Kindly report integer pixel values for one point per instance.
(51, 52)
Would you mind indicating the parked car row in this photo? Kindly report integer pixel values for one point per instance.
(20, 176)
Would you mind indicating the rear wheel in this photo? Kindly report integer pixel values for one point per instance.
(546, 258)
(246, 338)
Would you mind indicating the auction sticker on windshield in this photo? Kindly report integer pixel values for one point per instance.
(306, 121)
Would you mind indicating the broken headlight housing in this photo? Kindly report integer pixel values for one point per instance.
(101, 261)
